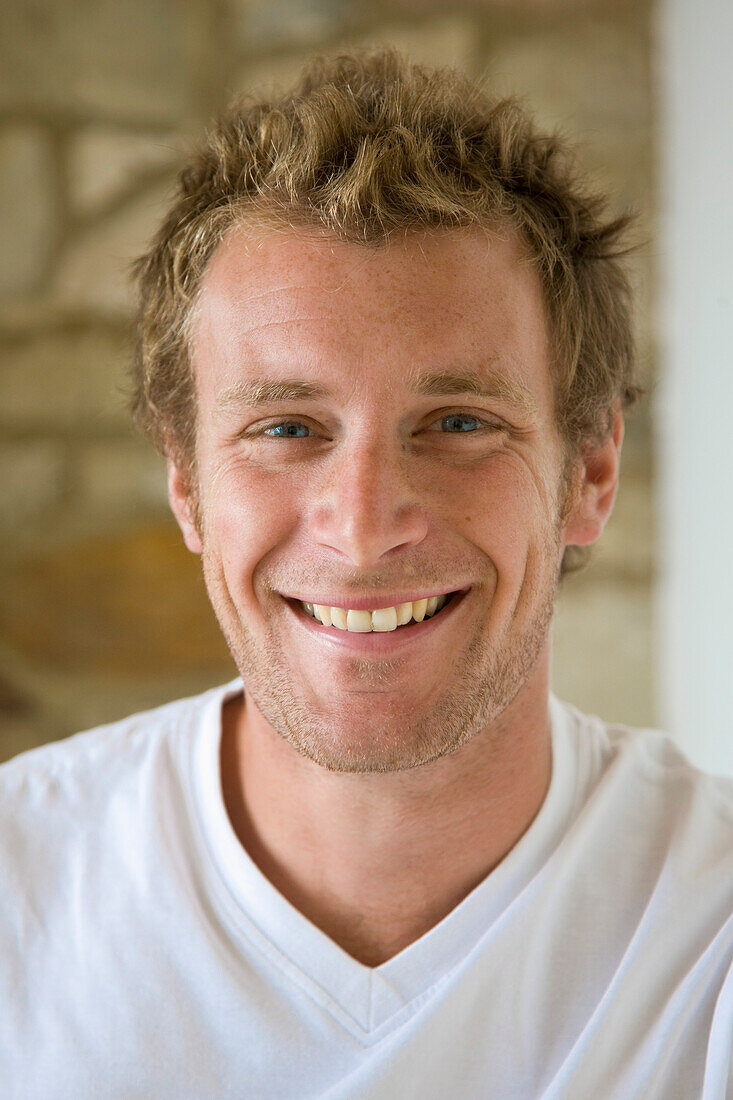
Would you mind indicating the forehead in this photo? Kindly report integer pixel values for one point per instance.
(446, 300)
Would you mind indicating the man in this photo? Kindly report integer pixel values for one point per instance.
(385, 348)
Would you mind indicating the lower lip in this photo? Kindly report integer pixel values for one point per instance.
(378, 641)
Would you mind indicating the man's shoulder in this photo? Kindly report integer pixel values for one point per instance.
(96, 796)
(105, 753)
(643, 774)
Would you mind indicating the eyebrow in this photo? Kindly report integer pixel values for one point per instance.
(491, 384)
(265, 391)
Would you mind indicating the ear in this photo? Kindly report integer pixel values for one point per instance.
(596, 487)
(180, 501)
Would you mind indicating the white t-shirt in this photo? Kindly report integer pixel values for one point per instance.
(144, 955)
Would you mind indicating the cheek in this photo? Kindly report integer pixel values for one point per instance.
(247, 514)
(501, 500)
(510, 519)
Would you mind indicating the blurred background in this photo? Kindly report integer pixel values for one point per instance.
(102, 610)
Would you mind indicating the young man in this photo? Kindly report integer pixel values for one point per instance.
(385, 347)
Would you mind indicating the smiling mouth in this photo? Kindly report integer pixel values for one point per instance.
(383, 620)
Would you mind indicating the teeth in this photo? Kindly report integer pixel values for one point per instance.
(338, 617)
(384, 619)
(419, 608)
(360, 621)
(404, 614)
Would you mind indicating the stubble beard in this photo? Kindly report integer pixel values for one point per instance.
(482, 687)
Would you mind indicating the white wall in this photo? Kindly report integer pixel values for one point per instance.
(694, 404)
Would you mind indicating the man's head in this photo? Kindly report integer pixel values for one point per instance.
(378, 349)
(376, 427)
(367, 148)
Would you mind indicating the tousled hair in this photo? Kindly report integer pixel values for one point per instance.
(367, 146)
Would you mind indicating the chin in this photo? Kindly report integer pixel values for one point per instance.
(378, 742)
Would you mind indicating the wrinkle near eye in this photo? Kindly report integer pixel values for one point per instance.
(520, 466)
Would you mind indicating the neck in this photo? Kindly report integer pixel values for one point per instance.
(376, 860)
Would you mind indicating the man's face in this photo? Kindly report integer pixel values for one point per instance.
(378, 488)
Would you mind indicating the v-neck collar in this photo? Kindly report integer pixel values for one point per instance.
(368, 1001)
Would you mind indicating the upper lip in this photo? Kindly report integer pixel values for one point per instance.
(372, 601)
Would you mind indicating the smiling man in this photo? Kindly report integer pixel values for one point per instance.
(385, 347)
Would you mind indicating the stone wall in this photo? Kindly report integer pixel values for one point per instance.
(102, 609)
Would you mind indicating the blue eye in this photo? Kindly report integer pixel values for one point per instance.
(458, 424)
(457, 417)
(289, 426)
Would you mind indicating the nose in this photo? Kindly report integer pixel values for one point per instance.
(367, 504)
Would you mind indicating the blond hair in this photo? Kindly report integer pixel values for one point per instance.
(366, 146)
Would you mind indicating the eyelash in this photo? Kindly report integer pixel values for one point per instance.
(489, 426)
